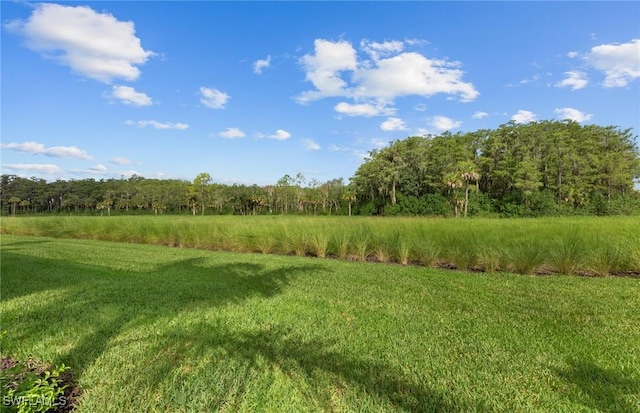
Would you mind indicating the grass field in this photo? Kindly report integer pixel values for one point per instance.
(579, 245)
(150, 328)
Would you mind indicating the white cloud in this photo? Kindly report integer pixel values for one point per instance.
(45, 168)
(92, 44)
(280, 135)
(324, 66)
(54, 151)
(393, 124)
(479, 115)
(232, 133)
(261, 64)
(575, 79)
(363, 109)
(420, 107)
(412, 74)
(524, 116)
(573, 114)
(213, 98)
(573, 55)
(311, 144)
(129, 96)
(377, 50)
(156, 124)
(443, 123)
(121, 161)
(619, 62)
(335, 71)
(99, 168)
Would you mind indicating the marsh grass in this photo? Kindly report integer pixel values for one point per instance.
(575, 245)
(526, 256)
(320, 243)
(567, 255)
(360, 242)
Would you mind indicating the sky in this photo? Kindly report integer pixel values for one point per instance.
(251, 91)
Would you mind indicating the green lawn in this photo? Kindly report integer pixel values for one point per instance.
(151, 328)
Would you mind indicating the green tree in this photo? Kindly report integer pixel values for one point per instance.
(200, 183)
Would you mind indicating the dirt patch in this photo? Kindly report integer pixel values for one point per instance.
(13, 373)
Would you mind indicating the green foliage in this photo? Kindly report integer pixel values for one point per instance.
(149, 328)
(26, 390)
(535, 169)
(564, 245)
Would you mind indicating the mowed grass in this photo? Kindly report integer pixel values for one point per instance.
(598, 246)
(151, 328)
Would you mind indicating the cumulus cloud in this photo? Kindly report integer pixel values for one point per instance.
(54, 151)
(213, 98)
(575, 80)
(393, 124)
(261, 64)
(479, 115)
(129, 96)
(412, 74)
(323, 69)
(157, 125)
(524, 116)
(619, 62)
(335, 70)
(443, 123)
(45, 168)
(232, 133)
(280, 135)
(377, 50)
(92, 44)
(363, 109)
(311, 144)
(573, 114)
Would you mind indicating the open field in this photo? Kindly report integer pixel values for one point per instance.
(578, 245)
(149, 328)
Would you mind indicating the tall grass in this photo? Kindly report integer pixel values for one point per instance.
(578, 245)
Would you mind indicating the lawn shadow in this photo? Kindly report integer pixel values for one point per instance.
(105, 302)
(312, 360)
(602, 389)
(98, 304)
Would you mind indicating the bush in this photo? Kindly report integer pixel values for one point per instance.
(31, 388)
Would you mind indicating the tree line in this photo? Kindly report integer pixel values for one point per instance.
(535, 169)
(139, 195)
(539, 168)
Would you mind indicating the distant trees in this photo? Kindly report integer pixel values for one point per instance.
(539, 168)
(138, 195)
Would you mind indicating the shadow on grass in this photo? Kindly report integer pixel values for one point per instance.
(601, 389)
(313, 360)
(97, 304)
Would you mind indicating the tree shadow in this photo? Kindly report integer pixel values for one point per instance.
(97, 305)
(104, 302)
(602, 389)
(312, 360)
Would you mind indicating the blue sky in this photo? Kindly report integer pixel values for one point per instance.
(251, 91)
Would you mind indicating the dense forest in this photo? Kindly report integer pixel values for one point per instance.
(536, 169)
